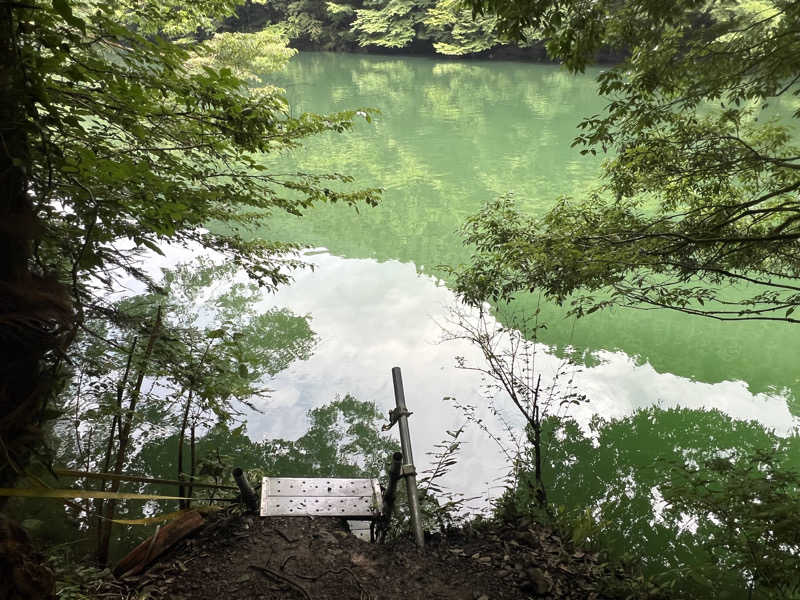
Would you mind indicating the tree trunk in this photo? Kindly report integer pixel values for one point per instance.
(539, 492)
(122, 449)
(193, 465)
(34, 309)
(99, 503)
(541, 495)
(181, 438)
(184, 423)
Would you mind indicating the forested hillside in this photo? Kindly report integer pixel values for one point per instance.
(442, 27)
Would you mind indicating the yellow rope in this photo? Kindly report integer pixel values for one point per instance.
(51, 493)
(165, 517)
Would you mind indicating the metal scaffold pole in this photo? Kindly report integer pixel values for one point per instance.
(410, 474)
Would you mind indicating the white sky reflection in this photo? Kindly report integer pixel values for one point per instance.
(372, 316)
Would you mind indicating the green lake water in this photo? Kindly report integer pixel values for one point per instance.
(451, 135)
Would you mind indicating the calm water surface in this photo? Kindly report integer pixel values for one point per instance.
(451, 135)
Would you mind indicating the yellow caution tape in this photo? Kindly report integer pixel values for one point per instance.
(125, 477)
(50, 493)
(150, 520)
(165, 517)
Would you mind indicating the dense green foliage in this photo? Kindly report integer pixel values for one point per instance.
(343, 439)
(144, 144)
(120, 138)
(702, 178)
(216, 349)
(442, 26)
(706, 517)
(177, 360)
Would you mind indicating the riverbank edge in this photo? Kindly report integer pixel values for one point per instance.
(254, 17)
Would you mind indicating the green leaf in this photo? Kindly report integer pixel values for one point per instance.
(152, 246)
(64, 10)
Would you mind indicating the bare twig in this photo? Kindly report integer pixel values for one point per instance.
(284, 536)
(510, 366)
(283, 578)
(335, 572)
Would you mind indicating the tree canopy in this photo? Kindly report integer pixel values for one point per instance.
(120, 136)
(146, 139)
(699, 206)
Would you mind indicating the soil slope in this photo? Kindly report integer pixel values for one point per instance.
(248, 557)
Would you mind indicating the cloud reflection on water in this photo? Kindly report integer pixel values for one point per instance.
(371, 316)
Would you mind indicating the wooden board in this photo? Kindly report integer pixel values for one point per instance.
(154, 546)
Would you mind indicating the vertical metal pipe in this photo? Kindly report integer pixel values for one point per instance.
(405, 445)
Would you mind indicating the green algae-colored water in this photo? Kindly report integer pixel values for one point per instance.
(451, 135)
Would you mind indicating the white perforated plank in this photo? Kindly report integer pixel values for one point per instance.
(311, 486)
(344, 506)
(323, 497)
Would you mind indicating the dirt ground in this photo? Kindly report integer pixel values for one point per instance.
(247, 557)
